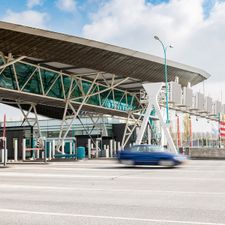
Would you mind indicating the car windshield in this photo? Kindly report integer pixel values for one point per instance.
(146, 148)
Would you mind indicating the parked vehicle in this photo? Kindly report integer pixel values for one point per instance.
(149, 155)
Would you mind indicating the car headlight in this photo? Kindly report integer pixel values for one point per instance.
(179, 158)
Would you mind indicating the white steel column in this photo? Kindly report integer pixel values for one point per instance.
(153, 90)
(144, 123)
(149, 134)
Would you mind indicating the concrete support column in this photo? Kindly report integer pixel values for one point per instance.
(24, 150)
(16, 150)
(53, 148)
(96, 149)
(50, 151)
(89, 148)
(5, 156)
(106, 152)
(71, 147)
(114, 148)
(111, 148)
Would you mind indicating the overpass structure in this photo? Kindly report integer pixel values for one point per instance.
(63, 77)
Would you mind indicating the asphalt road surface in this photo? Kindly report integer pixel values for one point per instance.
(105, 193)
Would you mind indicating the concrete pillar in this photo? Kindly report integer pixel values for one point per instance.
(111, 148)
(50, 151)
(53, 148)
(96, 149)
(24, 150)
(5, 152)
(89, 148)
(106, 151)
(15, 150)
(71, 147)
(114, 148)
(45, 151)
(5, 156)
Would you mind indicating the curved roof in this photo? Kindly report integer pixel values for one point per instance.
(81, 56)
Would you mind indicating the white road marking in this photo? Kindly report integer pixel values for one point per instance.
(118, 176)
(150, 191)
(102, 165)
(115, 168)
(106, 217)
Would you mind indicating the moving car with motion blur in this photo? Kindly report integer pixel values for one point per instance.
(149, 155)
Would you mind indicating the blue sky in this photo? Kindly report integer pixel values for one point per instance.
(72, 21)
(193, 27)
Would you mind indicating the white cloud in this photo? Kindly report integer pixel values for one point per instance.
(197, 40)
(32, 3)
(66, 5)
(29, 18)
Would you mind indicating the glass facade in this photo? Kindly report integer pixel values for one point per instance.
(37, 80)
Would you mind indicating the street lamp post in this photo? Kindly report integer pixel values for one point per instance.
(165, 76)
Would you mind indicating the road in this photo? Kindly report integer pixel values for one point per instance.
(102, 192)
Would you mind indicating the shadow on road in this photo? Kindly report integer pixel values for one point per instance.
(139, 167)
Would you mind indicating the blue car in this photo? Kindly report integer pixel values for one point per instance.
(149, 155)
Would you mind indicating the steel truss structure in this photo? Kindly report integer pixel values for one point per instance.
(21, 76)
(72, 93)
(75, 91)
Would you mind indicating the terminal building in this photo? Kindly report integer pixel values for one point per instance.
(93, 90)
